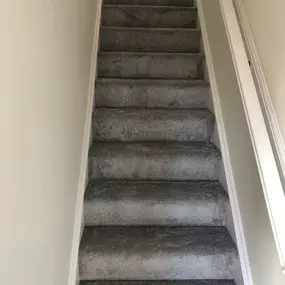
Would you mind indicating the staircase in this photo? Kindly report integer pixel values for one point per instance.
(154, 210)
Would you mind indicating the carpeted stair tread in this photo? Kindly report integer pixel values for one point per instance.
(149, 93)
(149, 39)
(154, 160)
(149, 65)
(160, 282)
(184, 3)
(152, 125)
(147, 253)
(138, 203)
(148, 16)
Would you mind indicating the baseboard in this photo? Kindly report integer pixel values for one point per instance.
(73, 277)
(238, 227)
(269, 112)
(268, 168)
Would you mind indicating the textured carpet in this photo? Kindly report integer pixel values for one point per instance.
(154, 211)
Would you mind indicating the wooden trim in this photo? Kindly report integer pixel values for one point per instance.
(83, 178)
(264, 154)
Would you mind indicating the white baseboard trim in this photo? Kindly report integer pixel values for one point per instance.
(264, 152)
(260, 137)
(272, 122)
(73, 278)
(238, 227)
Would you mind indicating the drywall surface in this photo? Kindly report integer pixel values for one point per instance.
(244, 178)
(266, 21)
(45, 56)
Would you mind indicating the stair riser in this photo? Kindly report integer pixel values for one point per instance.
(185, 3)
(148, 17)
(134, 94)
(149, 40)
(167, 205)
(148, 125)
(124, 65)
(146, 213)
(180, 168)
(159, 267)
(140, 163)
(123, 253)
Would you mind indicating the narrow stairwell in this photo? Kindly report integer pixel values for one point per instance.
(154, 210)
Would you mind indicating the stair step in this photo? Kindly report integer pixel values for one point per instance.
(137, 203)
(149, 39)
(148, 16)
(152, 125)
(185, 3)
(160, 282)
(155, 161)
(149, 65)
(147, 253)
(140, 93)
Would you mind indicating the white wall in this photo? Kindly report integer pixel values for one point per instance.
(266, 21)
(252, 226)
(45, 56)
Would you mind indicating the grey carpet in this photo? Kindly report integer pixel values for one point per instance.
(149, 94)
(137, 253)
(150, 65)
(185, 3)
(158, 282)
(153, 209)
(192, 203)
(149, 16)
(154, 160)
(149, 39)
(152, 125)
